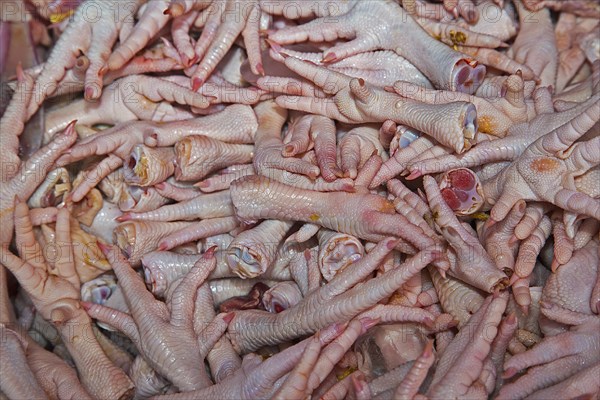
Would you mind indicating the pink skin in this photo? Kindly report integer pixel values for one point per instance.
(181, 38)
(457, 298)
(566, 299)
(57, 300)
(354, 101)
(337, 251)
(496, 114)
(386, 314)
(81, 36)
(555, 359)
(411, 383)
(434, 11)
(544, 159)
(538, 54)
(198, 156)
(398, 189)
(199, 230)
(252, 329)
(564, 287)
(281, 296)
(258, 198)
(226, 20)
(499, 60)
(515, 143)
(176, 352)
(257, 378)
(570, 57)
(156, 59)
(499, 240)
(321, 132)
(219, 90)
(176, 8)
(253, 251)
(459, 370)
(136, 199)
(17, 378)
(222, 180)
(469, 261)
(317, 363)
(305, 271)
(530, 248)
(461, 190)
(372, 26)
(368, 171)
(131, 98)
(356, 147)
(147, 166)
(379, 68)
(176, 193)
(583, 8)
(213, 205)
(269, 161)
(465, 8)
(20, 180)
(13, 122)
(503, 25)
(136, 238)
(447, 31)
(137, 36)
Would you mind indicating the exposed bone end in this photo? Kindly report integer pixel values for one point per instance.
(337, 253)
(124, 236)
(148, 166)
(467, 76)
(155, 279)
(282, 296)
(462, 191)
(245, 262)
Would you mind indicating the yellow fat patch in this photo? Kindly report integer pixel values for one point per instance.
(59, 17)
(141, 168)
(457, 38)
(481, 216)
(486, 124)
(314, 217)
(342, 375)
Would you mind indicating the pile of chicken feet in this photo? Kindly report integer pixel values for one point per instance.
(247, 199)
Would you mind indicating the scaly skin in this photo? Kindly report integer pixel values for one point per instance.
(250, 330)
(469, 261)
(20, 180)
(519, 137)
(120, 140)
(252, 252)
(198, 156)
(354, 101)
(13, 122)
(585, 8)
(319, 132)
(566, 299)
(495, 115)
(131, 98)
(261, 379)
(551, 158)
(134, 38)
(269, 161)
(462, 366)
(539, 55)
(372, 26)
(57, 300)
(365, 216)
(92, 31)
(165, 336)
